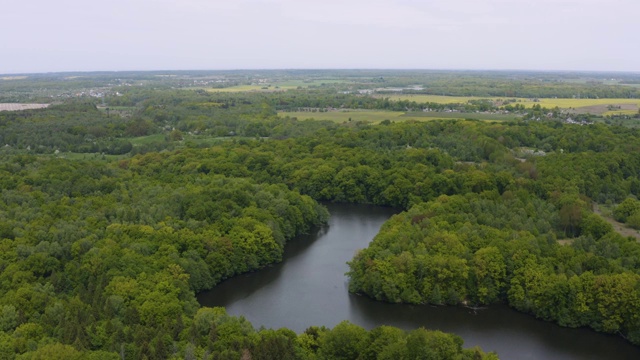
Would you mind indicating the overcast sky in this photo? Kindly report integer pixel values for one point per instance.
(81, 35)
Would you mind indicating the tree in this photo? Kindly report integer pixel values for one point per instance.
(432, 345)
(489, 270)
(175, 135)
(344, 342)
(625, 209)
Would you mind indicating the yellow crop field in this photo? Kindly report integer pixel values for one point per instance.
(576, 103)
(592, 106)
(619, 112)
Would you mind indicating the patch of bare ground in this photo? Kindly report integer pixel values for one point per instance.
(17, 107)
(13, 78)
(601, 109)
(621, 228)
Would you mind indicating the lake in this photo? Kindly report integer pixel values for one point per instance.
(309, 288)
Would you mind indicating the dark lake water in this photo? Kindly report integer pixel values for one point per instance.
(309, 288)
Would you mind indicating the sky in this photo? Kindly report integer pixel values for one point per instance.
(118, 35)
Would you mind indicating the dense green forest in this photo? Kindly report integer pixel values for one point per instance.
(487, 248)
(115, 210)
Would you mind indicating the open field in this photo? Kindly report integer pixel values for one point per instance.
(347, 115)
(581, 106)
(18, 107)
(13, 78)
(307, 83)
(187, 139)
(576, 103)
(590, 106)
(90, 156)
(277, 86)
(620, 112)
(621, 228)
(255, 88)
(630, 123)
(548, 103)
(376, 116)
(144, 140)
(619, 109)
(432, 115)
(439, 99)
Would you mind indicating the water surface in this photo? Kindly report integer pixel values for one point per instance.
(309, 288)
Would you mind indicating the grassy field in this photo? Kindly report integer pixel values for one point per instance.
(8, 78)
(91, 156)
(344, 116)
(620, 112)
(277, 86)
(549, 103)
(245, 88)
(622, 229)
(439, 99)
(375, 116)
(187, 139)
(577, 103)
(307, 83)
(144, 140)
(431, 115)
(208, 140)
(592, 106)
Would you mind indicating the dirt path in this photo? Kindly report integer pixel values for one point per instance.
(621, 228)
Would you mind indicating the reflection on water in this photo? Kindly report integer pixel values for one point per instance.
(309, 288)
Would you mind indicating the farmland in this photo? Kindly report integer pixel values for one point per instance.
(247, 88)
(576, 103)
(8, 78)
(17, 107)
(438, 99)
(433, 115)
(581, 106)
(277, 86)
(375, 116)
(349, 115)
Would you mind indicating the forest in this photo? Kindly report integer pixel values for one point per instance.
(117, 209)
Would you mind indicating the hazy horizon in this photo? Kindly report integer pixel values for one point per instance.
(322, 69)
(190, 35)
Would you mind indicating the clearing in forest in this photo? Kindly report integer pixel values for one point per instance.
(376, 116)
(18, 107)
(621, 228)
(439, 99)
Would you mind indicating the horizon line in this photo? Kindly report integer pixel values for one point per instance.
(323, 69)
